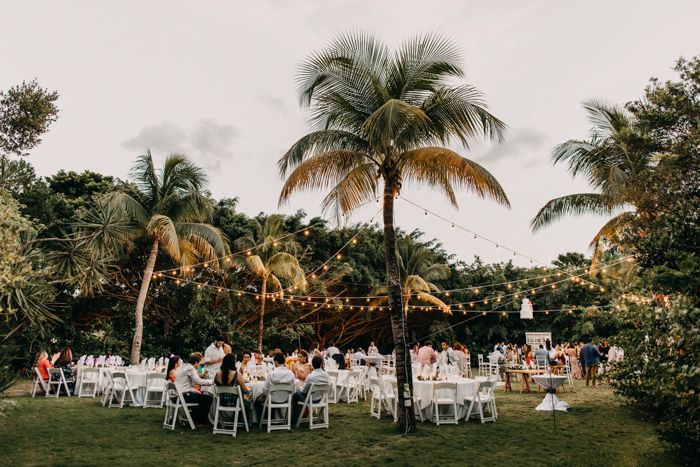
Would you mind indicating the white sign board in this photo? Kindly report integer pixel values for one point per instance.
(534, 339)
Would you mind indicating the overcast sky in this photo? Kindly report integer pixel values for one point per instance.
(216, 80)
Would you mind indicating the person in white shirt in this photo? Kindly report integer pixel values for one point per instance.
(331, 350)
(447, 356)
(214, 355)
(318, 376)
(280, 375)
(372, 349)
(186, 379)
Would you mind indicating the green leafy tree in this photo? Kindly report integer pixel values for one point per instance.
(169, 210)
(383, 115)
(274, 259)
(26, 112)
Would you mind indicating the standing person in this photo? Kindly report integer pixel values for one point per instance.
(590, 359)
(187, 380)
(331, 350)
(447, 356)
(426, 354)
(372, 350)
(573, 362)
(214, 355)
(318, 376)
(604, 349)
(461, 357)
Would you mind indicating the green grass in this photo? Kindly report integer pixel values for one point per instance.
(597, 430)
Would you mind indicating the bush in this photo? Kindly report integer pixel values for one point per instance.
(660, 375)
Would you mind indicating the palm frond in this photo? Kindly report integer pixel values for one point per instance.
(162, 228)
(433, 300)
(581, 203)
(436, 166)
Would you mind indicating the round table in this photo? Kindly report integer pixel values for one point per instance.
(423, 392)
(550, 383)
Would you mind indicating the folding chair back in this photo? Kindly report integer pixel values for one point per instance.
(39, 382)
(155, 390)
(89, 381)
(58, 381)
(316, 399)
(225, 413)
(176, 409)
(445, 395)
(278, 401)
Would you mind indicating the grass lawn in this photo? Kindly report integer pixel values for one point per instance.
(597, 430)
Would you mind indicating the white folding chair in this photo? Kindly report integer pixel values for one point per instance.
(39, 382)
(279, 401)
(484, 397)
(482, 365)
(444, 395)
(108, 385)
(567, 369)
(350, 388)
(333, 377)
(120, 390)
(362, 384)
(382, 400)
(89, 381)
(316, 399)
(174, 401)
(222, 426)
(58, 380)
(542, 362)
(155, 385)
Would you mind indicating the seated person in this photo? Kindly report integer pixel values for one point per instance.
(280, 375)
(243, 365)
(359, 357)
(187, 380)
(65, 362)
(318, 376)
(43, 364)
(228, 376)
(174, 363)
(302, 368)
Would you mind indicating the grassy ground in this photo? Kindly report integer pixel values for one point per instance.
(596, 431)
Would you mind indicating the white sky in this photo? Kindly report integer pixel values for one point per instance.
(216, 80)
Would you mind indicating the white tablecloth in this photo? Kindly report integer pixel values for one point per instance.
(423, 390)
(551, 401)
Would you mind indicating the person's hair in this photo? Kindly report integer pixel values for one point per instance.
(195, 358)
(221, 337)
(41, 354)
(317, 362)
(228, 364)
(66, 356)
(172, 363)
(428, 343)
(548, 345)
(541, 346)
(304, 354)
(457, 346)
(330, 344)
(443, 342)
(279, 358)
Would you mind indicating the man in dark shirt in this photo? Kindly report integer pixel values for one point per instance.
(590, 359)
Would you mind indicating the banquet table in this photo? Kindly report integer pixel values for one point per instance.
(550, 383)
(135, 376)
(373, 359)
(423, 391)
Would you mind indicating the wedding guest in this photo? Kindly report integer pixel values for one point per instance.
(590, 359)
(214, 355)
(280, 375)
(43, 364)
(302, 368)
(359, 356)
(573, 362)
(243, 366)
(318, 376)
(372, 349)
(187, 379)
(331, 350)
(426, 354)
(227, 376)
(462, 362)
(447, 356)
(65, 362)
(174, 364)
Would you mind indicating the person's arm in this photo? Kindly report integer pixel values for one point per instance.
(210, 359)
(194, 377)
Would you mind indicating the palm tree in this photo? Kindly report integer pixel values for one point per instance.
(167, 209)
(273, 260)
(611, 160)
(383, 115)
(418, 270)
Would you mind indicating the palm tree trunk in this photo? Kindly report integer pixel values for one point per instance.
(406, 415)
(261, 325)
(140, 302)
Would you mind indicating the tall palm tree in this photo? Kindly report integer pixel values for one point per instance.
(418, 271)
(271, 261)
(611, 160)
(378, 114)
(169, 210)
